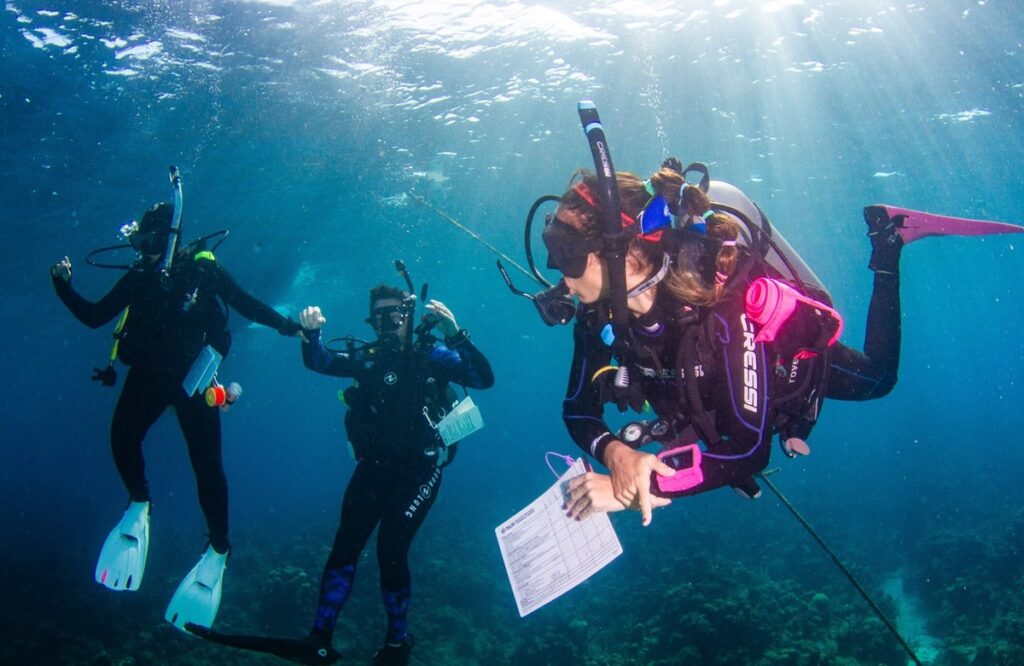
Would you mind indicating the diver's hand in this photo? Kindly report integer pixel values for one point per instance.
(592, 493)
(631, 476)
(440, 313)
(62, 269)
(311, 318)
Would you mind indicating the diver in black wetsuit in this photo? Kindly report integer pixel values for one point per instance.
(401, 389)
(698, 356)
(398, 476)
(170, 319)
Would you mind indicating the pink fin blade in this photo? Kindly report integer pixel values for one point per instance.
(919, 224)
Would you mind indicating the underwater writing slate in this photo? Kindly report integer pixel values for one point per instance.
(547, 554)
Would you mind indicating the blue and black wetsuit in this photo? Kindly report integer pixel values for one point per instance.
(396, 479)
(744, 386)
(166, 328)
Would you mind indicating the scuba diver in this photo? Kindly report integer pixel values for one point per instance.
(715, 323)
(400, 393)
(172, 333)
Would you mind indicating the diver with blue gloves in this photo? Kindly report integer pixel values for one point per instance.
(395, 425)
(172, 333)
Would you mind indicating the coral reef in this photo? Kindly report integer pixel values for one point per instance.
(969, 583)
(672, 598)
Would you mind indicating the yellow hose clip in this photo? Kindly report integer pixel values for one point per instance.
(117, 333)
(600, 371)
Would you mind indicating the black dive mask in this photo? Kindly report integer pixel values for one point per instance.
(388, 319)
(149, 243)
(568, 249)
(150, 235)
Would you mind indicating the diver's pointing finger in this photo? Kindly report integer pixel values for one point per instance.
(644, 496)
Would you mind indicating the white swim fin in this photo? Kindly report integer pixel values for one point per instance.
(122, 560)
(198, 597)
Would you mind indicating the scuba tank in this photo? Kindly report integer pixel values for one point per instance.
(762, 239)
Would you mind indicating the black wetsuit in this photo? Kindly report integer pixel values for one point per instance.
(395, 481)
(744, 386)
(165, 330)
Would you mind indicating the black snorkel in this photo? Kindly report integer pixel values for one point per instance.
(553, 303)
(424, 327)
(387, 339)
(175, 231)
(400, 267)
(616, 240)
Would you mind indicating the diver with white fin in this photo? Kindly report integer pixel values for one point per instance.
(122, 560)
(172, 333)
(197, 598)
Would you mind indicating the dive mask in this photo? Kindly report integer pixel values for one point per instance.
(149, 235)
(568, 249)
(388, 319)
(149, 243)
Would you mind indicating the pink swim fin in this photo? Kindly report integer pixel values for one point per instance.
(914, 224)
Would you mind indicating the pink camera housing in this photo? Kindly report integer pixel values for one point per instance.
(685, 477)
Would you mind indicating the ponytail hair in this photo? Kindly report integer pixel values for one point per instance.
(684, 200)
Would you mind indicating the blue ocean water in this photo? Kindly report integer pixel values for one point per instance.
(315, 129)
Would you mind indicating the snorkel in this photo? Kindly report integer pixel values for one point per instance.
(129, 230)
(409, 302)
(175, 230)
(616, 240)
(554, 304)
(407, 307)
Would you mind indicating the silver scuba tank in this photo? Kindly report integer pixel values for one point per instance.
(760, 237)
